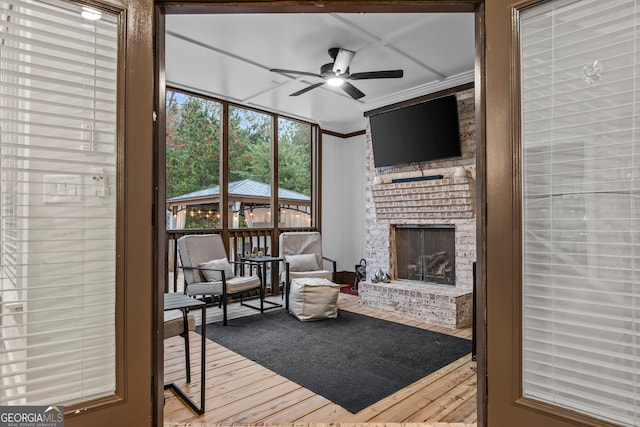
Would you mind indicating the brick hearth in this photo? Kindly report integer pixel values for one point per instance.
(434, 304)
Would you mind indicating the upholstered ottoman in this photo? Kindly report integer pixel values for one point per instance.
(313, 299)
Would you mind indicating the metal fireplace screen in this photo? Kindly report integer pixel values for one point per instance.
(426, 254)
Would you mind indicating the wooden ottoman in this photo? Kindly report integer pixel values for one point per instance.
(313, 299)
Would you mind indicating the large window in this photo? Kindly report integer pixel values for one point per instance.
(581, 207)
(193, 160)
(194, 144)
(294, 172)
(250, 142)
(58, 154)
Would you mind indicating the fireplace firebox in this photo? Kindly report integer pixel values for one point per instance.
(426, 253)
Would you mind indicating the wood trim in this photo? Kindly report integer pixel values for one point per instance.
(343, 135)
(325, 6)
(316, 179)
(161, 269)
(275, 180)
(224, 176)
(516, 244)
(480, 296)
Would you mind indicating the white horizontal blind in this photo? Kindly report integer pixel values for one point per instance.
(581, 205)
(57, 203)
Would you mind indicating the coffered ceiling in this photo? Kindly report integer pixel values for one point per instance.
(229, 56)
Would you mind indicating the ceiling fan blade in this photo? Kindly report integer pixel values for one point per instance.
(353, 91)
(307, 89)
(304, 73)
(389, 74)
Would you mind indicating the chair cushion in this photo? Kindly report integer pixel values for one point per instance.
(313, 299)
(216, 264)
(301, 242)
(174, 323)
(242, 283)
(302, 262)
(234, 285)
(205, 288)
(318, 274)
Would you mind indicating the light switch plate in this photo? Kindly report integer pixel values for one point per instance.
(63, 188)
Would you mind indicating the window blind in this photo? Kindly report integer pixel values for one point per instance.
(581, 205)
(57, 202)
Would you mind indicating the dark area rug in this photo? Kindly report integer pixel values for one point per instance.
(353, 360)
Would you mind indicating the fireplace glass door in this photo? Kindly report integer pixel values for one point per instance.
(426, 254)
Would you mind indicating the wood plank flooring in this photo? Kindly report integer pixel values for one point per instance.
(242, 392)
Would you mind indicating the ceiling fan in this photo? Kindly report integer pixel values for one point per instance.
(336, 73)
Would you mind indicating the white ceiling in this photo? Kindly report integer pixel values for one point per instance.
(228, 56)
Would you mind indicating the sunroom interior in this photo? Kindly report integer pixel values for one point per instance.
(270, 87)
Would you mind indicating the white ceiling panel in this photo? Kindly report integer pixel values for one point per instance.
(446, 44)
(229, 56)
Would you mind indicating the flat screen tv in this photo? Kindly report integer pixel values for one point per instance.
(419, 133)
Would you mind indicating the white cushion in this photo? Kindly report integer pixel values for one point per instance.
(303, 262)
(216, 264)
(324, 274)
(242, 283)
(313, 299)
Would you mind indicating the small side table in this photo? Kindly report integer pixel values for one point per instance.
(178, 301)
(262, 262)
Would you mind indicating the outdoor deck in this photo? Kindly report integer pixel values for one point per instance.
(242, 392)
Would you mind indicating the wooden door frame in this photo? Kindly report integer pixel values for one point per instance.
(329, 6)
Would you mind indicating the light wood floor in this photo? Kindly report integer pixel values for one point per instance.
(242, 392)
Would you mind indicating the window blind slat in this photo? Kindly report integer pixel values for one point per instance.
(80, 85)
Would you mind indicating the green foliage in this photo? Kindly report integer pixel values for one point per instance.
(294, 156)
(193, 146)
(249, 145)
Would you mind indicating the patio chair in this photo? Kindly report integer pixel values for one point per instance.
(208, 272)
(302, 255)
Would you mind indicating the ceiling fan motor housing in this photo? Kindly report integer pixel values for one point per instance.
(327, 71)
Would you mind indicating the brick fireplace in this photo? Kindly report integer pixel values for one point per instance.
(436, 195)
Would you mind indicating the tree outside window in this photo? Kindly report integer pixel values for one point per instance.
(193, 149)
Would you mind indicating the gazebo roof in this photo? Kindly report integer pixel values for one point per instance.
(244, 188)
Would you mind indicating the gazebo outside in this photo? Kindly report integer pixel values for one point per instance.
(249, 207)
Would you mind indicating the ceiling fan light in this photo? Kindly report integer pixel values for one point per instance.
(335, 81)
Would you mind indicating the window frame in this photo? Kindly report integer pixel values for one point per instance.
(315, 150)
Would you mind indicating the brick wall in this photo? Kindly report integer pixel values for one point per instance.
(450, 200)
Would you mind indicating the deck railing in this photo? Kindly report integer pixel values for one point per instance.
(244, 241)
